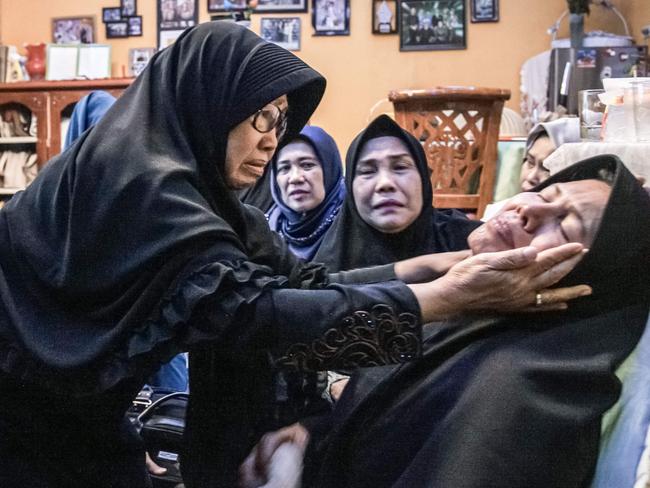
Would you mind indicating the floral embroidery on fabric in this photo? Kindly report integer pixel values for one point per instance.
(363, 339)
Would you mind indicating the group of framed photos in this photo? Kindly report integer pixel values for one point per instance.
(422, 25)
(122, 21)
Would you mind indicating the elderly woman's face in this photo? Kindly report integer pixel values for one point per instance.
(533, 171)
(387, 187)
(560, 213)
(249, 151)
(299, 175)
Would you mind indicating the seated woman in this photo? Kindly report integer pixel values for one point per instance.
(308, 190)
(542, 141)
(387, 215)
(516, 400)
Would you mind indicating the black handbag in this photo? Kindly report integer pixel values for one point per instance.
(159, 417)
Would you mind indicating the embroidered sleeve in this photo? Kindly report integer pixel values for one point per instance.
(363, 339)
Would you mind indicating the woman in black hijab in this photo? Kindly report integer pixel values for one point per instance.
(131, 246)
(507, 401)
(353, 243)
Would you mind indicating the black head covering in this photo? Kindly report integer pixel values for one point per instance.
(99, 250)
(352, 243)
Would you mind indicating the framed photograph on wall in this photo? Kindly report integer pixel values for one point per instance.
(139, 58)
(73, 30)
(484, 10)
(331, 17)
(431, 25)
(128, 8)
(174, 16)
(135, 26)
(111, 14)
(115, 30)
(226, 5)
(384, 16)
(286, 6)
(283, 31)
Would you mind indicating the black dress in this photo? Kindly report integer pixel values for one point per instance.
(504, 401)
(129, 248)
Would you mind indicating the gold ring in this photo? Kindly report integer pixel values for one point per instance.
(539, 301)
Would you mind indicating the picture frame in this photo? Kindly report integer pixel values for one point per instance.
(281, 6)
(135, 26)
(226, 5)
(111, 14)
(174, 16)
(283, 31)
(484, 10)
(117, 30)
(384, 17)
(331, 17)
(432, 25)
(73, 30)
(168, 37)
(139, 57)
(128, 8)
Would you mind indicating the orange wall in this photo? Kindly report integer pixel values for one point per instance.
(360, 68)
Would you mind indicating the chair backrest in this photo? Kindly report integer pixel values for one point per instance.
(459, 129)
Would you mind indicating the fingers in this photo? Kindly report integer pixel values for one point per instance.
(512, 259)
(556, 299)
(559, 295)
(555, 263)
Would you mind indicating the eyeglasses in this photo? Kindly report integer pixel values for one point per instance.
(271, 117)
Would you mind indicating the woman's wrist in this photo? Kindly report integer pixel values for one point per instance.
(435, 300)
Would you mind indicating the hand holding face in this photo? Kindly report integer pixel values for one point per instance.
(504, 281)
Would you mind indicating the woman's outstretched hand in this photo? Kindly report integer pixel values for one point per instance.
(428, 266)
(504, 281)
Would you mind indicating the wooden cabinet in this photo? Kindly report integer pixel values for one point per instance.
(47, 101)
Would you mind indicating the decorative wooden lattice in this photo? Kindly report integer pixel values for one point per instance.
(459, 130)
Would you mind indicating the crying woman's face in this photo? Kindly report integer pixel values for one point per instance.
(560, 213)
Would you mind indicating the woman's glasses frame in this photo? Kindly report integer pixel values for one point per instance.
(270, 117)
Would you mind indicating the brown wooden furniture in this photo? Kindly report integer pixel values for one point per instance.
(459, 130)
(47, 100)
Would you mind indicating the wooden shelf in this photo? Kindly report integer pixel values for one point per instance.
(18, 140)
(47, 100)
(9, 191)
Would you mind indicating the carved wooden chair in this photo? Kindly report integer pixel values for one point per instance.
(459, 129)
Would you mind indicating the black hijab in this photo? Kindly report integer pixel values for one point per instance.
(352, 243)
(512, 400)
(99, 253)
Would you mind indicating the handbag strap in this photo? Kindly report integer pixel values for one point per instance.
(144, 415)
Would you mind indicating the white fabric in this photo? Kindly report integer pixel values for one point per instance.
(534, 88)
(635, 155)
(643, 471)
